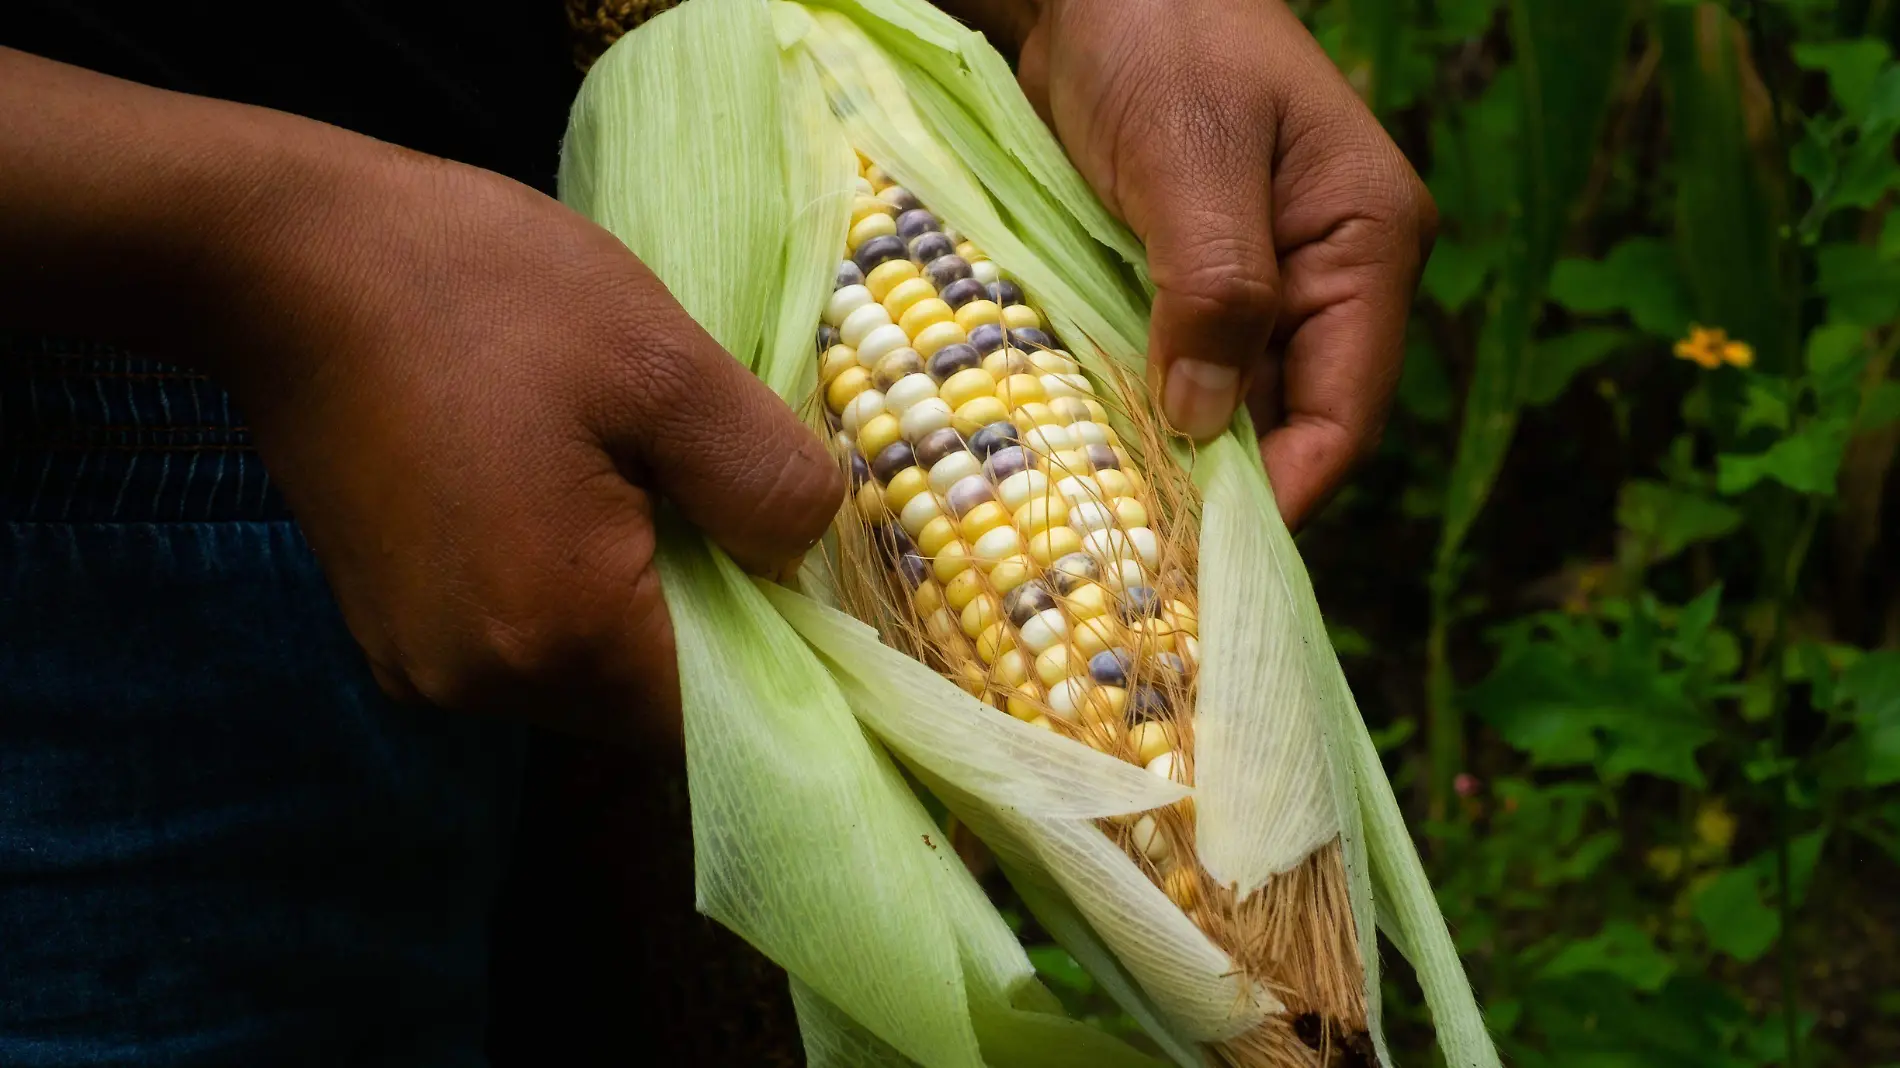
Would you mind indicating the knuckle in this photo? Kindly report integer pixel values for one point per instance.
(1231, 278)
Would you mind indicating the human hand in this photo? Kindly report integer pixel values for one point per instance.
(1285, 232)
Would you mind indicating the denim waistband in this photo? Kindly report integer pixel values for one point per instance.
(90, 433)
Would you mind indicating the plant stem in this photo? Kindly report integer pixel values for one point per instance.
(1789, 580)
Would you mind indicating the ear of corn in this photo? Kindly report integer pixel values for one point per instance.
(723, 142)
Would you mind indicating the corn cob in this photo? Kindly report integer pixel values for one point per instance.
(1007, 535)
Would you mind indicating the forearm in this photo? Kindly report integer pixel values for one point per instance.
(144, 216)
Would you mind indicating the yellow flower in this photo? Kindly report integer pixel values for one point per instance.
(1711, 347)
(1665, 861)
(1714, 826)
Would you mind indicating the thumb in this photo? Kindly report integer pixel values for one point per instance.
(689, 421)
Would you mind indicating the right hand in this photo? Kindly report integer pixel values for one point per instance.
(472, 398)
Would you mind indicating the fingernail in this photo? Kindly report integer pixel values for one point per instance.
(1199, 398)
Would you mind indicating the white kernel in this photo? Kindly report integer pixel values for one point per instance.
(893, 195)
(1109, 545)
(1021, 488)
(864, 185)
(986, 272)
(1147, 546)
(862, 320)
(862, 408)
(997, 545)
(918, 511)
(1054, 362)
(843, 442)
(1088, 432)
(1122, 575)
(953, 469)
(1091, 515)
(1062, 386)
(1044, 630)
(1149, 839)
(845, 301)
(923, 417)
(908, 391)
(1066, 697)
(1049, 438)
(1078, 488)
(1169, 766)
(881, 342)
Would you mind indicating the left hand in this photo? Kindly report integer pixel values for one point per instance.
(1285, 231)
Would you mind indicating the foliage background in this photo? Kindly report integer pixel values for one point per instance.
(1627, 626)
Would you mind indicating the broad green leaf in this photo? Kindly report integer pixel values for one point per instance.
(1669, 519)
(1621, 949)
(1639, 276)
(1558, 360)
(1734, 917)
(1834, 345)
(1806, 462)
(1457, 271)
(1861, 288)
(1852, 66)
(1871, 688)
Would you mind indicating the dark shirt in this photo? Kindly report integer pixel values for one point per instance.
(485, 84)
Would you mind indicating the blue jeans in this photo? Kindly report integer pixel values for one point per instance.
(219, 845)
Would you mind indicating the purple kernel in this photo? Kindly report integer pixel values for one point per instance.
(1027, 337)
(1139, 602)
(895, 366)
(1102, 458)
(914, 568)
(961, 292)
(1007, 461)
(1026, 600)
(1110, 666)
(1005, 293)
(879, 250)
(987, 338)
(1145, 703)
(827, 337)
(848, 275)
(1071, 571)
(927, 247)
(860, 471)
(941, 271)
(938, 444)
(997, 435)
(952, 358)
(894, 458)
(915, 223)
(968, 492)
(900, 198)
(1168, 666)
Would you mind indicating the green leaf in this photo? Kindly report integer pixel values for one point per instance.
(1862, 289)
(1054, 964)
(1457, 271)
(1621, 949)
(1835, 344)
(1806, 462)
(1852, 66)
(1556, 361)
(1870, 688)
(1425, 390)
(1669, 518)
(1767, 402)
(1734, 917)
(1639, 276)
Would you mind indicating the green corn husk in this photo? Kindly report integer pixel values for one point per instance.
(716, 142)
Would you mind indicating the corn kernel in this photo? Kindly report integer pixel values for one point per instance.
(1018, 390)
(904, 485)
(1153, 636)
(927, 312)
(982, 519)
(1026, 703)
(1104, 705)
(1055, 542)
(1045, 723)
(954, 560)
(1098, 413)
(848, 384)
(906, 293)
(1183, 886)
(980, 612)
(976, 313)
(1129, 512)
(927, 598)
(968, 251)
(886, 276)
(1071, 409)
(1012, 573)
(1151, 739)
(936, 336)
(1022, 487)
(996, 640)
(978, 413)
(918, 512)
(1040, 513)
(1044, 630)
(1054, 362)
(837, 359)
(863, 207)
(1052, 665)
(1152, 843)
(1032, 415)
(1096, 634)
(936, 534)
(871, 503)
(1114, 484)
(923, 417)
(1016, 316)
(1089, 600)
(1182, 616)
(1123, 574)
(1066, 697)
(1007, 361)
(1068, 461)
(963, 589)
(996, 546)
(1188, 648)
(1012, 668)
(874, 224)
(971, 678)
(968, 385)
(942, 627)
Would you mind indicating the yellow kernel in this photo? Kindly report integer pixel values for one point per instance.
(885, 276)
(1071, 409)
(1011, 573)
(1151, 739)
(1104, 704)
(904, 485)
(1182, 884)
(1122, 457)
(982, 519)
(971, 678)
(1052, 664)
(876, 224)
(1016, 316)
(871, 502)
(967, 385)
(1068, 462)
(928, 598)
(1093, 635)
(1129, 512)
(997, 639)
(941, 627)
(952, 561)
(1099, 414)
(978, 312)
(838, 358)
(847, 385)
(980, 612)
(936, 336)
(1007, 361)
(963, 589)
(906, 293)
(1052, 544)
(1040, 513)
(1182, 616)
(1090, 600)
(877, 177)
(1045, 723)
(1026, 702)
(1012, 668)
(1114, 483)
(976, 414)
(936, 534)
(968, 251)
(1019, 390)
(863, 207)
(1153, 636)
(1030, 416)
(926, 312)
